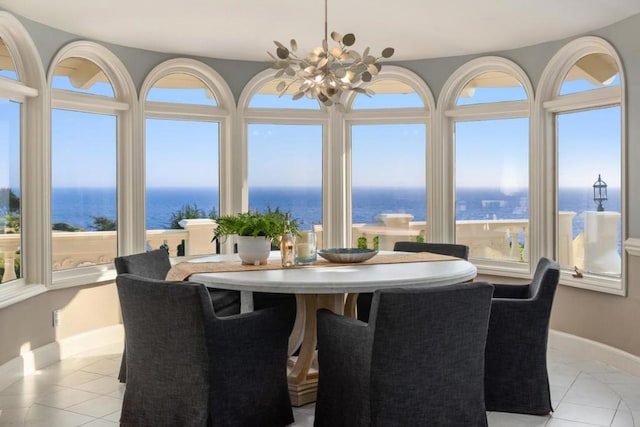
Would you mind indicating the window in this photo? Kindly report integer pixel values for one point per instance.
(10, 194)
(285, 141)
(388, 171)
(91, 186)
(185, 122)
(584, 108)
(7, 67)
(487, 105)
(15, 94)
(83, 169)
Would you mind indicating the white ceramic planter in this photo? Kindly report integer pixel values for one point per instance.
(254, 250)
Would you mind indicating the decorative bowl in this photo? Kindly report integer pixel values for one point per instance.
(347, 255)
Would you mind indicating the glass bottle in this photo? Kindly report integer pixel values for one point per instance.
(287, 244)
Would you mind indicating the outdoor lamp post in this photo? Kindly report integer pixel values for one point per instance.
(600, 193)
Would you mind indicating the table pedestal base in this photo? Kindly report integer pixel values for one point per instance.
(303, 375)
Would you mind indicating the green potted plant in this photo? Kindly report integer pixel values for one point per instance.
(256, 232)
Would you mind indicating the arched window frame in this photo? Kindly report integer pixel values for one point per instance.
(548, 103)
(124, 107)
(30, 90)
(283, 116)
(443, 198)
(224, 113)
(421, 115)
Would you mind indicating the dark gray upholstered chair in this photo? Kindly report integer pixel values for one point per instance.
(155, 264)
(418, 362)
(460, 251)
(453, 249)
(516, 378)
(188, 367)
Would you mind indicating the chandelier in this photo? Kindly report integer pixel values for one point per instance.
(324, 74)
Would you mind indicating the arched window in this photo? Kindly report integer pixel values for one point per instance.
(186, 109)
(91, 98)
(21, 83)
(582, 98)
(485, 108)
(10, 190)
(283, 143)
(387, 135)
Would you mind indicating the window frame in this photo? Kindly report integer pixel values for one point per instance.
(30, 91)
(279, 116)
(223, 113)
(548, 104)
(447, 115)
(393, 116)
(122, 106)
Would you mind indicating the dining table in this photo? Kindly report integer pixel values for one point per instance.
(323, 285)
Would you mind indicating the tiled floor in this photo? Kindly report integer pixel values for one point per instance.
(83, 390)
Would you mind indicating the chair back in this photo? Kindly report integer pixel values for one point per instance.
(545, 279)
(427, 360)
(459, 251)
(154, 264)
(167, 357)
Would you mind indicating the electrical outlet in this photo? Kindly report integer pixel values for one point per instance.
(56, 318)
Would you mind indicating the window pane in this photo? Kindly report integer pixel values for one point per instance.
(492, 188)
(388, 184)
(81, 75)
(182, 179)
(83, 165)
(592, 71)
(268, 97)
(389, 94)
(7, 66)
(588, 147)
(10, 232)
(491, 87)
(285, 171)
(181, 89)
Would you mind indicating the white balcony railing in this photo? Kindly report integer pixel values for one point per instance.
(489, 239)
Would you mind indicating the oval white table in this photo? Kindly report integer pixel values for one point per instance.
(326, 287)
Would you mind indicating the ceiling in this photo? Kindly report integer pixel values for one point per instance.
(246, 29)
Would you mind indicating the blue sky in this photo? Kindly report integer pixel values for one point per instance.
(489, 153)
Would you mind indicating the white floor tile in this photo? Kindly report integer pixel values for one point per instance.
(114, 416)
(584, 414)
(100, 423)
(83, 390)
(565, 423)
(77, 378)
(98, 407)
(622, 419)
(65, 397)
(588, 391)
(102, 385)
(44, 416)
(503, 419)
(12, 417)
(104, 367)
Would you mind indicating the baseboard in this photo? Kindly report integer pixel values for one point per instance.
(582, 347)
(41, 357)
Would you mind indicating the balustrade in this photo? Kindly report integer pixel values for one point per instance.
(491, 239)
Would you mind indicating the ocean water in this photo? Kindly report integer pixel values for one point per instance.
(78, 206)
